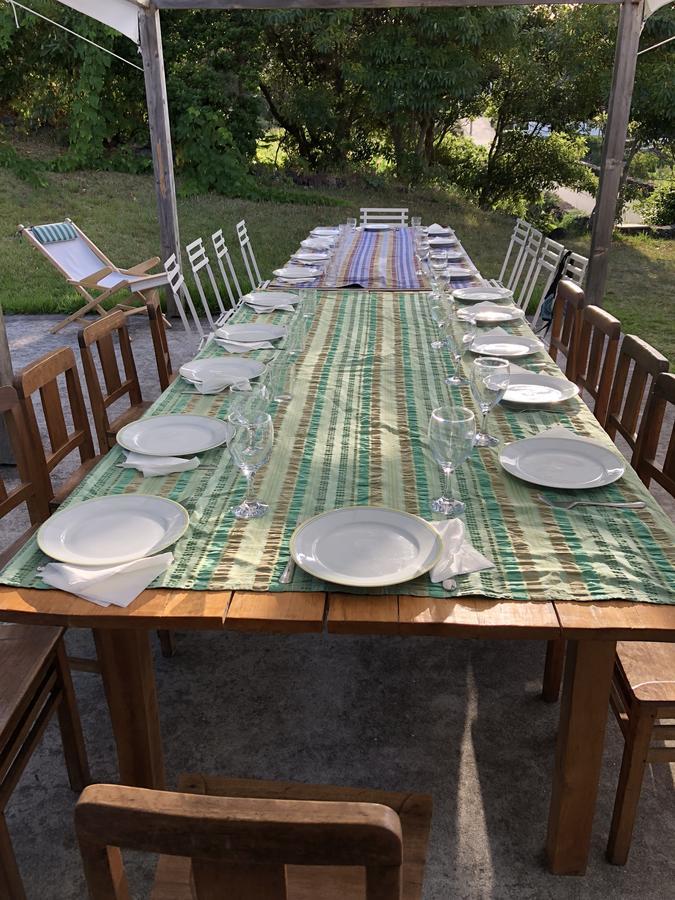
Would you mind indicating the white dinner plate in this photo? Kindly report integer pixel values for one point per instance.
(439, 231)
(448, 241)
(179, 435)
(112, 530)
(329, 230)
(232, 370)
(317, 243)
(491, 314)
(555, 462)
(481, 294)
(297, 273)
(307, 256)
(377, 226)
(509, 346)
(538, 389)
(368, 546)
(250, 333)
(270, 298)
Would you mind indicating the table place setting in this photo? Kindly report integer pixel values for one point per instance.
(271, 301)
(490, 313)
(528, 389)
(482, 294)
(498, 342)
(213, 375)
(244, 338)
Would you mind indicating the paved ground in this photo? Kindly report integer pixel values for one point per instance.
(459, 719)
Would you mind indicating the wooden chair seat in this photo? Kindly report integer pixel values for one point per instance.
(72, 482)
(647, 672)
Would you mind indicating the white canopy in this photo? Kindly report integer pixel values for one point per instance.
(122, 15)
(651, 6)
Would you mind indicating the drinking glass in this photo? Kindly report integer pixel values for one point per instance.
(296, 335)
(489, 380)
(250, 448)
(438, 260)
(279, 379)
(415, 222)
(250, 401)
(308, 299)
(460, 335)
(351, 224)
(440, 315)
(451, 434)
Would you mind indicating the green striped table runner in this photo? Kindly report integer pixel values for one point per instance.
(354, 433)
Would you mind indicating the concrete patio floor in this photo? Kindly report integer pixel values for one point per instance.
(461, 720)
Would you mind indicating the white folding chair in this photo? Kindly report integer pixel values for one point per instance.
(377, 215)
(548, 262)
(199, 261)
(520, 284)
(248, 256)
(518, 242)
(230, 276)
(575, 268)
(181, 295)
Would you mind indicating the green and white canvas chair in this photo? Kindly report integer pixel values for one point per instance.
(95, 277)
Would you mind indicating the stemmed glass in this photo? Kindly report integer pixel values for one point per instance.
(461, 334)
(451, 435)
(279, 379)
(490, 378)
(296, 334)
(250, 448)
(421, 252)
(308, 300)
(249, 401)
(440, 315)
(438, 260)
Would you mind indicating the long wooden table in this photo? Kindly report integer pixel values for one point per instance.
(592, 629)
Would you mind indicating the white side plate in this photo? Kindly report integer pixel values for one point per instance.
(378, 226)
(174, 435)
(251, 333)
(112, 530)
(537, 389)
(367, 546)
(571, 463)
(509, 346)
(491, 313)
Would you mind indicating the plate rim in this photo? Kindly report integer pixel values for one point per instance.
(575, 439)
(171, 416)
(111, 562)
(519, 375)
(347, 582)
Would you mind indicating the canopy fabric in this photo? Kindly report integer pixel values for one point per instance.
(122, 15)
(651, 6)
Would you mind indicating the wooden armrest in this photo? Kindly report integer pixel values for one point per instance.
(93, 279)
(142, 267)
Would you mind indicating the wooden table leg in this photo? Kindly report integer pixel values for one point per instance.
(583, 718)
(129, 680)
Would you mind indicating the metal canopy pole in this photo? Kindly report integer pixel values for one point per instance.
(160, 137)
(614, 144)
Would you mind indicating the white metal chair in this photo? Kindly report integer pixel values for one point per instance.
(575, 268)
(519, 236)
(88, 269)
(252, 270)
(199, 261)
(230, 276)
(182, 296)
(548, 261)
(376, 215)
(525, 269)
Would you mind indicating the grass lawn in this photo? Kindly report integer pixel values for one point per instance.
(118, 212)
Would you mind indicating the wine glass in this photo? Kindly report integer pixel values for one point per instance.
(297, 332)
(250, 448)
(438, 260)
(461, 334)
(351, 224)
(440, 315)
(451, 434)
(279, 378)
(249, 400)
(308, 300)
(416, 222)
(490, 378)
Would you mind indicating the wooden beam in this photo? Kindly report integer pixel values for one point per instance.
(356, 4)
(160, 136)
(613, 147)
(6, 377)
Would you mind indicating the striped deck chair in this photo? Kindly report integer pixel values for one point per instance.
(89, 270)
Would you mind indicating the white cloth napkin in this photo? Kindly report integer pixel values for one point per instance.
(239, 347)
(268, 309)
(150, 466)
(468, 312)
(107, 585)
(458, 557)
(437, 229)
(214, 384)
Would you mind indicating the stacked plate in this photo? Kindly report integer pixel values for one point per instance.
(217, 374)
(487, 313)
(509, 346)
(268, 301)
(246, 337)
(482, 294)
(297, 273)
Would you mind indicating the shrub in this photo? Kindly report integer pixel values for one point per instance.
(659, 207)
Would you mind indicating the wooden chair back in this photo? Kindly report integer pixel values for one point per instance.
(595, 354)
(638, 365)
(239, 846)
(651, 459)
(32, 478)
(65, 437)
(566, 324)
(116, 384)
(159, 341)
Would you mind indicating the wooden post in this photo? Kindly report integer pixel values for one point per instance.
(6, 377)
(160, 136)
(611, 166)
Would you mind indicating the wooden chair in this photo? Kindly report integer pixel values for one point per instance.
(160, 343)
(566, 324)
(596, 357)
(637, 367)
(117, 386)
(256, 840)
(380, 215)
(43, 376)
(35, 682)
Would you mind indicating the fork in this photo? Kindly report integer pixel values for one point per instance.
(287, 575)
(570, 504)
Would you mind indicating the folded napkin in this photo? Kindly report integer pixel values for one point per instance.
(150, 466)
(239, 347)
(437, 229)
(458, 556)
(107, 585)
(215, 384)
(266, 309)
(468, 312)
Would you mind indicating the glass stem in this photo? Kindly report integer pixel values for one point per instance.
(483, 426)
(249, 485)
(447, 472)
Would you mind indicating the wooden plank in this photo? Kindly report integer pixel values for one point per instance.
(583, 716)
(472, 617)
(614, 144)
(359, 614)
(175, 609)
(354, 4)
(129, 682)
(285, 613)
(618, 620)
(160, 137)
